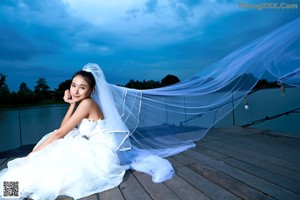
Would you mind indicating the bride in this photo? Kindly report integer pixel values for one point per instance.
(89, 153)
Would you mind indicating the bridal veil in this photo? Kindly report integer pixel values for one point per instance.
(166, 121)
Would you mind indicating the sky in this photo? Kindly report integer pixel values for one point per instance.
(129, 39)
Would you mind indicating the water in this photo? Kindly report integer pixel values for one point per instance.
(267, 103)
(28, 126)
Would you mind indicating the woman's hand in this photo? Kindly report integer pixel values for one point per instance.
(68, 97)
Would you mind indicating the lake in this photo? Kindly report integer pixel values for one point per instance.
(28, 125)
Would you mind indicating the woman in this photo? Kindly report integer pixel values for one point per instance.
(82, 156)
(80, 92)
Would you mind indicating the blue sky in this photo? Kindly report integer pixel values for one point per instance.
(129, 39)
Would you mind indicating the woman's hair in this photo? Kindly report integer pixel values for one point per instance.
(88, 77)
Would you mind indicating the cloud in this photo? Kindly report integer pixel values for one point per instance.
(150, 22)
(151, 6)
(34, 28)
(129, 39)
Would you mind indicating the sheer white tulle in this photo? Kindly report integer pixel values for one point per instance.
(167, 120)
(103, 96)
(134, 157)
(143, 126)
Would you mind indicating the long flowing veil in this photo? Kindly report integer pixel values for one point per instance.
(103, 97)
(166, 121)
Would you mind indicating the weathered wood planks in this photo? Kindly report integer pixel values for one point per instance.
(229, 163)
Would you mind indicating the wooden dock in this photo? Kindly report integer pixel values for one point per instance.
(228, 163)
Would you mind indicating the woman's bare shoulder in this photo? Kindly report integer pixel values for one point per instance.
(88, 102)
(92, 106)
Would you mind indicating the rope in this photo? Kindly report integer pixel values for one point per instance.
(297, 110)
(278, 82)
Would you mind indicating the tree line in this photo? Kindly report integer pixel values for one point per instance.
(43, 94)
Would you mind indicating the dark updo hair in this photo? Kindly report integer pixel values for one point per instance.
(88, 77)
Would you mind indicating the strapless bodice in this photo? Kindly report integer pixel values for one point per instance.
(89, 127)
(100, 131)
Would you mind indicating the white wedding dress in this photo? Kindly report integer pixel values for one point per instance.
(89, 159)
(84, 162)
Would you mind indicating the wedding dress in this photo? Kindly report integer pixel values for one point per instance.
(89, 159)
(78, 165)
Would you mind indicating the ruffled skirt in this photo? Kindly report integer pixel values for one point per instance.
(72, 166)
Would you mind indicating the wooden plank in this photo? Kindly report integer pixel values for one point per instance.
(63, 197)
(113, 193)
(205, 186)
(229, 183)
(277, 140)
(184, 190)
(155, 190)
(206, 138)
(232, 152)
(257, 152)
(265, 174)
(256, 182)
(3, 163)
(2, 160)
(131, 189)
(223, 166)
(91, 197)
(231, 132)
(210, 153)
(174, 162)
(183, 159)
(218, 134)
(271, 145)
(261, 138)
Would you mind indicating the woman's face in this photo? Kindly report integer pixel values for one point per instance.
(80, 89)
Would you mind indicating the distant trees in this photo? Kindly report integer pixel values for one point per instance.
(3, 85)
(142, 84)
(24, 89)
(263, 83)
(24, 95)
(59, 92)
(4, 91)
(42, 92)
(168, 80)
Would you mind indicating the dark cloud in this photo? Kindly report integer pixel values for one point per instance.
(150, 6)
(48, 39)
(35, 28)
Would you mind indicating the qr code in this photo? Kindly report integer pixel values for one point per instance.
(10, 189)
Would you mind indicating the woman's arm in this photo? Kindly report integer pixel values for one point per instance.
(68, 114)
(68, 99)
(81, 112)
